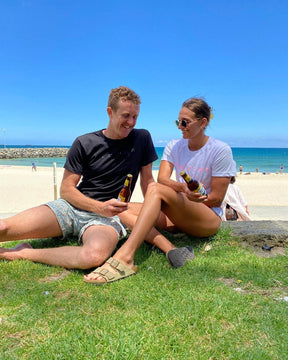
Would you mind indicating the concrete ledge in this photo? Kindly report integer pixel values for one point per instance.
(268, 234)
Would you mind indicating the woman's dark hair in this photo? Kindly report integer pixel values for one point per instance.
(200, 108)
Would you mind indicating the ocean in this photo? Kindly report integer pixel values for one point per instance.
(265, 159)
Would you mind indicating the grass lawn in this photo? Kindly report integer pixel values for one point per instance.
(225, 304)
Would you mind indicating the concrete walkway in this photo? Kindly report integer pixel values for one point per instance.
(4, 215)
(269, 213)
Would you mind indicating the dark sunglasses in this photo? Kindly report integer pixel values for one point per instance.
(183, 123)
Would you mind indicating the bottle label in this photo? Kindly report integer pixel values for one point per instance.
(201, 190)
(121, 198)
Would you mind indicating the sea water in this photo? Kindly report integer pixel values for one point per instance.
(265, 159)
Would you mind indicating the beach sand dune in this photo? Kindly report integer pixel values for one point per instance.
(20, 189)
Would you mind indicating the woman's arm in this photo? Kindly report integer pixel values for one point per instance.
(164, 177)
(219, 186)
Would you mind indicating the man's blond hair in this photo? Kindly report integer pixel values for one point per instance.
(122, 93)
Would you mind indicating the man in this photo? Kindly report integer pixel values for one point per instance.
(95, 169)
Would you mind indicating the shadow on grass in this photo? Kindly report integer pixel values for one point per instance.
(179, 239)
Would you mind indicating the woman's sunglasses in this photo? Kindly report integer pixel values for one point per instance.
(183, 123)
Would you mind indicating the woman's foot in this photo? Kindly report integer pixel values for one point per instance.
(112, 270)
(179, 256)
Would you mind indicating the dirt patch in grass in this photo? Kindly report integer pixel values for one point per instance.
(278, 292)
(265, 251)
(55, 277)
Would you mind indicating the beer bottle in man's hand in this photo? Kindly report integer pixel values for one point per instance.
(193, 185)
(125, 193)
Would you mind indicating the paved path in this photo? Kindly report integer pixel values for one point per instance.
(269, 212)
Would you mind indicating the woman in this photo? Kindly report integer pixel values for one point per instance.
(203, 158)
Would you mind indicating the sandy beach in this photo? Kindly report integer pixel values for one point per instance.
(20, 189)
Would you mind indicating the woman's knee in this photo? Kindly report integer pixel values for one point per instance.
(154, 189)
(3, 227)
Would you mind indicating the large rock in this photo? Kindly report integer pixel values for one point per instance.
(16, 153)
(266, 237)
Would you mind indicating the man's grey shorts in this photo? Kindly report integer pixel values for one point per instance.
(74, 221)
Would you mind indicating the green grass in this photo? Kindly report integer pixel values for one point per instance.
(225, 304)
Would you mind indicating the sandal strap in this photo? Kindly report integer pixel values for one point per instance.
(115, 264)
(121, 268)
(122, 272)
(108, 275)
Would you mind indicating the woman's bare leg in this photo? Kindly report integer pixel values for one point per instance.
(192, 218)
(154, 237)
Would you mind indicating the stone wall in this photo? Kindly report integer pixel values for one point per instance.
(15, 153)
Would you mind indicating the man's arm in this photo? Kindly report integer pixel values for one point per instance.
(71, 194)
(146, 177)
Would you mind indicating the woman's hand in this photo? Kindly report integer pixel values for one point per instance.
(194, 196)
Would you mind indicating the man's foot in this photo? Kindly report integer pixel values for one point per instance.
(112, 270)
(14, 253)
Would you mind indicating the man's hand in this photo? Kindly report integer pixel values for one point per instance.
(113, 207)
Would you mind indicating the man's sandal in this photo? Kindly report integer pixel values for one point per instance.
(179, 256)
(102, 275)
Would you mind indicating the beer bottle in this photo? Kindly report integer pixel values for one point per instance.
(125, 193)
(193, 185)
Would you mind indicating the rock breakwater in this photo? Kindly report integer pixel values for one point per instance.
(16, 153)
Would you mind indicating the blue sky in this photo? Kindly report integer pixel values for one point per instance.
(60, 58)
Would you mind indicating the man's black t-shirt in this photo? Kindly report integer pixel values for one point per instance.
(104, 163)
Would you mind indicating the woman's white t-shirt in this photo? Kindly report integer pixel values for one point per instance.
(213, 159)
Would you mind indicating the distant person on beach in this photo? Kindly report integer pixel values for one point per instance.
(235, 207)
(205, 159)
(240, 169)
(281, 169)
(34, 167)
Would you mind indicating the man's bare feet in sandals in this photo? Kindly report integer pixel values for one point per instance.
(14, 253)
(112, 270)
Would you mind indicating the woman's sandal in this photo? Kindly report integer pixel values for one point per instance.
(102, 275)
(179, 256)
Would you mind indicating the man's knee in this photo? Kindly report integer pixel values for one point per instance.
(94, 257)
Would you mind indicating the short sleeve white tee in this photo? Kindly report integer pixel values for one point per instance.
(213, 159)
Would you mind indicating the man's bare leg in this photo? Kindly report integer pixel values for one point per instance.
(35, 223)
(98, 245)
(41, 222)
